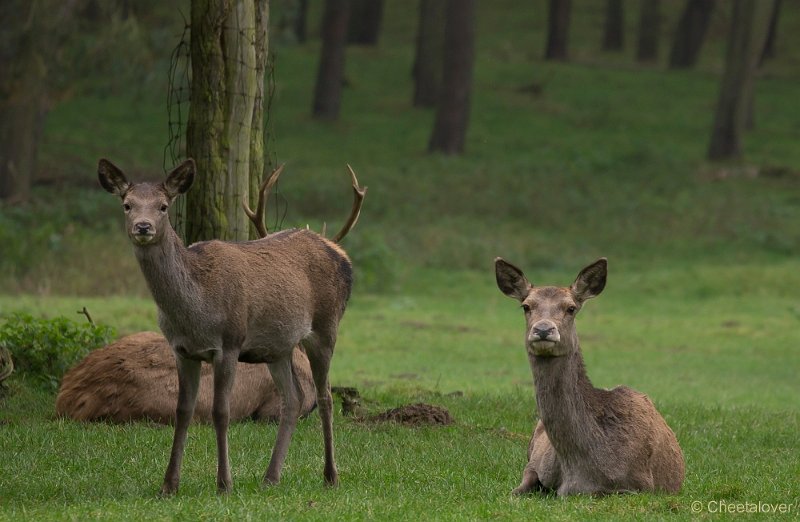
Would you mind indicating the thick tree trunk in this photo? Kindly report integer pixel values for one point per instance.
(649, 31)
(364, 26)
(226, 96)
(452, 116)
(330, 75)
(428, 63)
(749, 25)
(22, 98)
(258, 156)
(557, 30)
(614, 33)
(690, 33)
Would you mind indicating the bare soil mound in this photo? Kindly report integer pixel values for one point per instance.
(419, 414)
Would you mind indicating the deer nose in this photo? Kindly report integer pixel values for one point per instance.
(142, 228)
(543, 330)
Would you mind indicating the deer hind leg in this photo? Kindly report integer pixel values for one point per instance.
(224, 375)
(188, 384)
(320, 352)
(290, 409)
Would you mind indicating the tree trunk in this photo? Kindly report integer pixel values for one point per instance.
(649, 31)
(749, 26)
(330, 75)
(452, 116)
(290, 26)
(228, 48)
(301, 21)
(429, 60)
(614, 34)
(557, 30)
(364, 26)
(22, 98)
(769, 46)
(690, 33)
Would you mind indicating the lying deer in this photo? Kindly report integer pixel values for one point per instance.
(223, 302)
(588, 440)
(134, 378)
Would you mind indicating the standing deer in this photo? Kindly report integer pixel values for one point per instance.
(588, 440)
(223, 302)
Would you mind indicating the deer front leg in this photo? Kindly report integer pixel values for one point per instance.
(290, 409)
(188, 384)
(224, 375)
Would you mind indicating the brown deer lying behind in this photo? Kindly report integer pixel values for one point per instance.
(587, 440)
(135, 378)
(224, 302)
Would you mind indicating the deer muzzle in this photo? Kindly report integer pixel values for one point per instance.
(143, 232)
(543, 333)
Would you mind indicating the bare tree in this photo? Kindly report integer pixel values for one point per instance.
(649, 30)
(330, 75)
(558, 15)
(690, 33)
(364, 26)
(614, 33)
(769, 46)
(224, 129)
(452, 115)
(429, 55)
(748, 33)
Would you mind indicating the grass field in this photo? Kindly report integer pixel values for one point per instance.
(701, 310)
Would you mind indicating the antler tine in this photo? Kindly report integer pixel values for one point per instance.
(358, 201)
(257, 217)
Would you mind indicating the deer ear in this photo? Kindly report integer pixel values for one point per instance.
(180, 179)
(591, 281)
(510, 280)
(111, 178)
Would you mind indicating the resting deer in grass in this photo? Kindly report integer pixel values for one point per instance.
(223, 302)
(134, 378)
(587, 440)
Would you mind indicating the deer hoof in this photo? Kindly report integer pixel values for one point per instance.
(168, 490)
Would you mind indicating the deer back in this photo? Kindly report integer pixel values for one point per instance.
(135, 378)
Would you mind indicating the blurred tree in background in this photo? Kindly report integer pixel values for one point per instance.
(429, 54)
(691, 33)
(330, 74)
(649, 30)
(748, 34)
(452, 116)
(364, 26)
(558, 14)
(614, 29)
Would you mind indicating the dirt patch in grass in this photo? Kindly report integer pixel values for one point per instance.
(419, 414)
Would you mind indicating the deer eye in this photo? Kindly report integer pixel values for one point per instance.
(164, 207)
(571, 310)
(126, 207)
(526, 308)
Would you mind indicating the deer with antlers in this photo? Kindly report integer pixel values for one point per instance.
(224, 302)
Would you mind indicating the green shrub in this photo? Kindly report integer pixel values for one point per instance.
(46, 348)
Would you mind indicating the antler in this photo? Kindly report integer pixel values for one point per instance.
(257, 217)
(355, 211)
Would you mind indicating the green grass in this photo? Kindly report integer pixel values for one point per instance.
(700, 312)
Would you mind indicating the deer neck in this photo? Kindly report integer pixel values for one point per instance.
(567, 402)
(167, 268)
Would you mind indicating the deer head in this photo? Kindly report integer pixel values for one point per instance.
(550, 311)
(146, 204)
